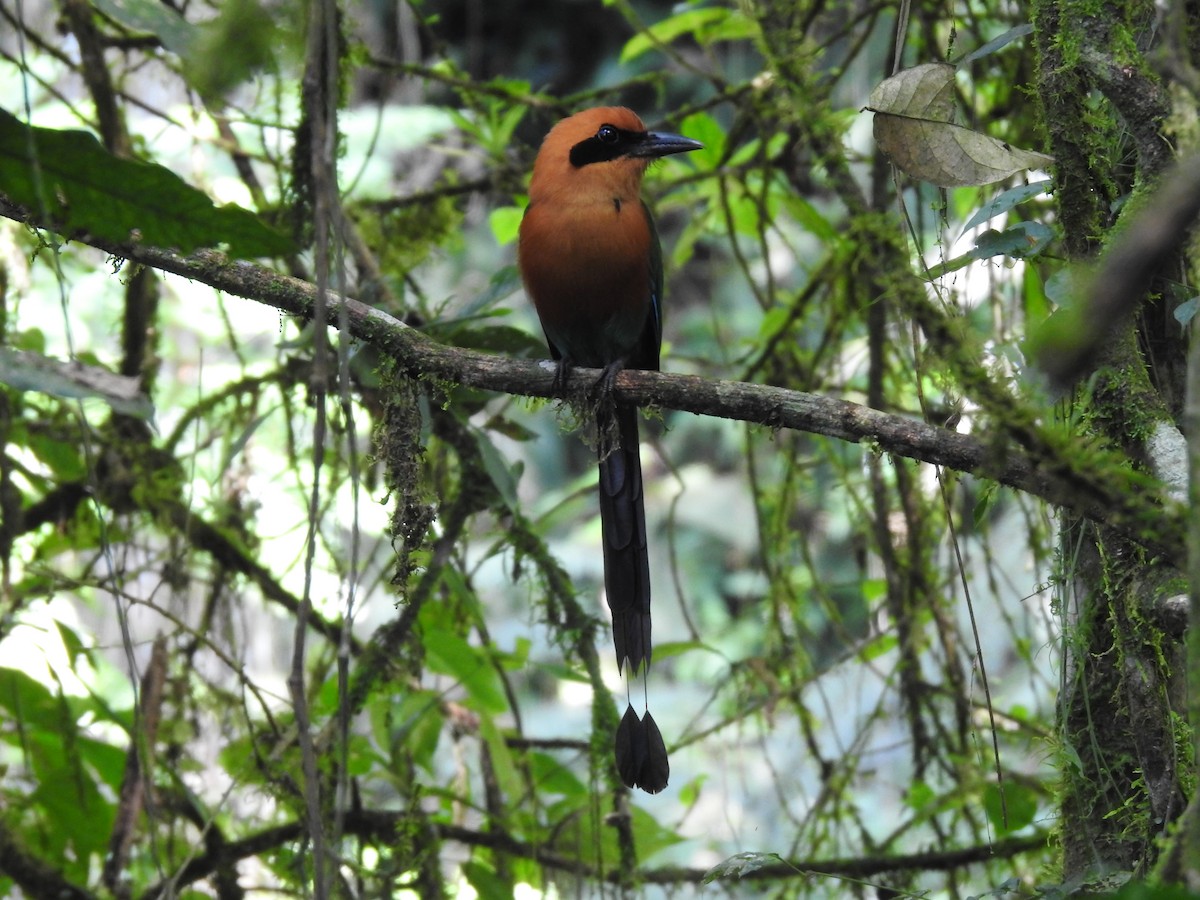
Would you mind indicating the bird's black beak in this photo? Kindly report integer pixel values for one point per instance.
(659, 143)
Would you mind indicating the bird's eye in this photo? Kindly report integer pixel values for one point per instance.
(607, 134)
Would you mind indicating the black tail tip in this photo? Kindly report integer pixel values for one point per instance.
(641, 753)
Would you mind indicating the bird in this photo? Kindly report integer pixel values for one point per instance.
(590, 259)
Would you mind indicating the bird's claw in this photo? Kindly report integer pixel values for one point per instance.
(562, 375)
(602, 390)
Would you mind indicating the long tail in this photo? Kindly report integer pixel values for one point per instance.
(623, 519)
(641, 755)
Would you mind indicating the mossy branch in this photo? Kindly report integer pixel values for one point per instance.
(1111, 494)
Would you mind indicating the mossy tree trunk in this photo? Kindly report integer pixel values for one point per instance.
(1126, 759)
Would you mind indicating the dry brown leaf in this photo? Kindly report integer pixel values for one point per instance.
(914, 127)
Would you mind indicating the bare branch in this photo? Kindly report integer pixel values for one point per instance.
(375, 825)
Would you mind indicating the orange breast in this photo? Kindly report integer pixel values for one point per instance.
(586, 267)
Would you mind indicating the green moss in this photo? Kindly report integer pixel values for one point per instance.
(404, 236)
(398, 439)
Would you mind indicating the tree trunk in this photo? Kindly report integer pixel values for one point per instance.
(1125, 753)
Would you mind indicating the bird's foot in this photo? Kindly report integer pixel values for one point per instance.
(604, 405)
(607, 381)
(562, 375)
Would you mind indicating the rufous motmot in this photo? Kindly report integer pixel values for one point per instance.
(592, 265)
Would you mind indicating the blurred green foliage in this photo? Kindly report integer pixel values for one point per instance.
(817, 678)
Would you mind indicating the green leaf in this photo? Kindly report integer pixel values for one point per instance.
(242, 40)
(71, 643)
(668, 30)
(695, 228)
(503, 284)
(29, 371)
(984, 503)
(507, 340)
(1059, 339)
(511, 429)
(1033, 296)
(920, 796)
(73, 801)
(159, 19)
(448, 654)
(874, 589)
(410, 728)
(491, 128)
(741, 865)
(105, 760)
(504, 475)
(1022, 241)
(746, 211)
(734, 27)
(690, 792)
(1006, 200)
(1018, 31)
(29, 701)
(1020, 803)
(811, 218)
(704, 128)
(67, 177)
(706, 26)
(566, 672)
(650, 835)
(243, 439)
(63, 458)
(677, 648)
(518, 658)
(508, 774)
(486, 881)
(505, 223)
(878, 646)
(1064, 286)
(1072, 756)
(552, 776)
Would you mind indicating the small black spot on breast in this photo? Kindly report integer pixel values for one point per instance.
(617, 203)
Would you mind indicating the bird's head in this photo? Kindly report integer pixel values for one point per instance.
(604, 147)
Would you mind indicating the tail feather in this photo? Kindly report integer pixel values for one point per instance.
(641, 754)
(623, 520)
